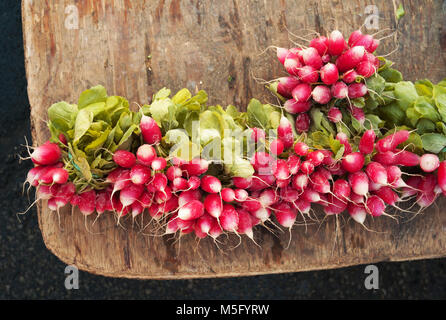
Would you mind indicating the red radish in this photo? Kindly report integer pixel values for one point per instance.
(301, 148)
(276, 147)
(46, 154)
(146, 199)
(292, 66)
(387, 158)
(350, 76)
(198, 233)
(261, 160)
(341, 189)
(354, 37)
(55, 175)
(280, 170)
(350, 58)
(122, 181)
(356, 198)
(170, 205)
(320, 44)
(366, 69)
(441, 176)
(310, 195)
(429, 162)
(268, 197)
(293, 162)
(390, 142)
(339, 90)
(282, 54)
(113, 176)
(163, 196)
(130, 194)
(308, 74)
(33, 176)
(124, 158)
(156, 213)
(285, 215)
(427, 183)
(357, 90)
(336, 43)
(359, 183)
(358, 114)
(191, 210)
(320, 183)
(145, 154)
(87, 202)
(245, 223)
(227, 194)
(257, 134)
(307, 167)
(353, 162)
(372, 59)
(329, 74)
(286, 85)
(285, 132)
(136, 209)
(302, 206)
(357, 212)
(406, 158)
(321, 94)
(158, 164)
(301, 92)
(375, 206)
(240, 195)
(150, 130)
(387, 195)
(252, 205)
(262, 214)
(373, 45)
(289, 194)
(140, 174)
(367, 142)
(213, 205)
(63, 139)
(393, 174)
(343, 139)
(328, 157)
(300, 181)
(312, 58)
(188, 196)
(282, 183)
(159, 181)
(365, 40)
(173, 172)
(242, 183)
(316, 157)
(292, 106)
(302, 122)
(194, 182)
(205, 223)
(424, 199)
(177, 161)
(336, 206)
(326, 58)
(229, 218)
(334, 115)
(196, 167)
(376, 173)
(172, 225)
(210, 184)
(216, 230)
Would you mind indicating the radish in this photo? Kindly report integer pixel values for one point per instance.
(285, 86)
(357, 90)
(282, 54)
(242, 183)
(257, 134)
(293, 163)
(316, 157)
(145, 154)
(285, 215)
(307, 167)
(300, 181)
(387, 195)
(341, 189)
(393, 174)
(320, 44)
(252, 204)
(194, 182)
(390, 142)
(33, 176)
(367, 142)
(336, 206)
(173, 172)
(205, 223)
(54, 175)
(310, 195)
(339, 90)
(302, 122)
(357, 212)
(354, 37)
(365, 40)
(170, 205)
(285, 133)
(429, 162)
(301, 92)
(406, 158)
(320, 183)
(146, 199)
(150, 130)
(424, 199)
(312, 58)
(375, 206)
(261, 160)
(302, 206)
(350, 58)
(293, 106)
(289, 194)
(376, 173)
(195, 167)
(191, 210)
(326, 58)
(359, 183)
(87, 202)
(350, 76)
(321, 94)
(140, 174)
(240, 195)
(158, 164)
(210, 184)
(441, 176)
(366, 69)
(301, 148)
(136, 209)
(343, 139)
(227, 194)
(353, 162)
(358, 114)
(334, 115)
(163, 196)
(262, 214)
(268, 197)
(387, 158)
(124, 158)
(336, 43)
(216, 230)
(130, 194)
(46, 154)
(292, 66)
(229, 218)
(159, 181)
(276, 147)
(329, 74)
(308, 74)
(245, 223)
(213, 205)
(280, 170)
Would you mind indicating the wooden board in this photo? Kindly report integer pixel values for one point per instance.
(202, 44)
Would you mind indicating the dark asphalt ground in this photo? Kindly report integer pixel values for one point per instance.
(29, 271)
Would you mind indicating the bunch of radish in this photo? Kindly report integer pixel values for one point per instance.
(330, 68)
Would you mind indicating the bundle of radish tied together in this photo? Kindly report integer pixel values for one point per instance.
(349, 135)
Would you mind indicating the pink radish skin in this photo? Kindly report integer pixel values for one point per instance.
(359, 183)
(375, 206)
(350, 76)
(173, 172)
(312, 58)
(292, 106)
(320, 44)
(210, 184)
(227, 194)
(406, 158)
(316, 157)
(292, 66)
(245, 223)
(334, 115)
(261, 160)
(242, 183)
(262, 214)
(350, 58)
(307, 167)
(308, 74)
(252, 205)
(240, 195)
(205, 223)
(130, 194)
(357, 212)
(339, 90)
(268, 197)
(393, 174)
(163, 196)
(310, 195)
(301, 92)
(195, 167)
(289, 194)
(159, 181)
(258, 134)
(146, 199)
(229, 219)
(282, 53)
(276, 147)
(343, 139)
(87, 202)
(357, 90)
(302, 206)
(441, 176)
(392, 141)
(136, 209)
(300, 181)
(285, 215)
(365, 40)
(387, 158)
(321, 94)
(329, 74)
(46, 154)
(336, 43)
(150, 130)
(194, 183)
(188, 196)
(367, 142)
(124, 158)
(429, 162)
(140, 174)
(145, 154)
(302, 122)
(320, 183)
(358, 114)
(285, 133)
(366, 69)
(301, 148)
(353, 162)
(191, 210)
(389, 196)
(377, 173)
(341, 189)
(158, 164)
(280, 170)
(213, 205)
(286, 85)
(354, 37)
(293, 162)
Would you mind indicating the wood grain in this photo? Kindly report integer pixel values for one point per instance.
(201, 44)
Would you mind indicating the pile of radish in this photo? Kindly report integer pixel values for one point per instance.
(372, 173)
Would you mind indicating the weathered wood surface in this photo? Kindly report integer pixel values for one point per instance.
(201, 44)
